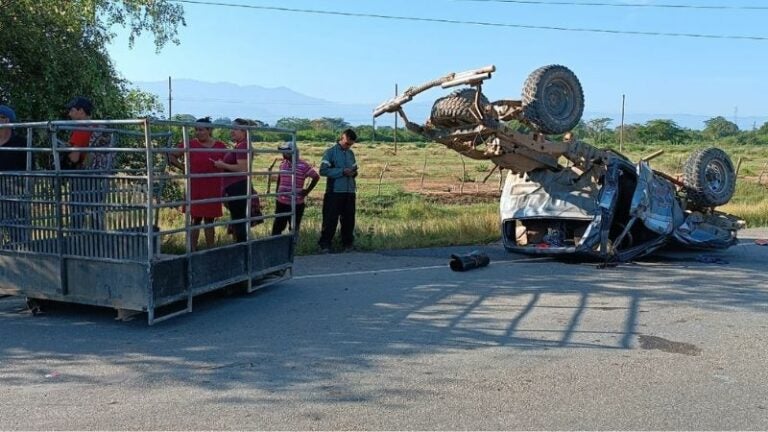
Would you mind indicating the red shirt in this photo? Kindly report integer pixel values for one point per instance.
(80, 138)
(231, 158)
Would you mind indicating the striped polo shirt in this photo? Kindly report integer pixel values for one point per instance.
(303, 170)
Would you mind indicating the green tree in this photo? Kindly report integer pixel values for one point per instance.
(661, 130)
(518, 126)
(581, 130)
(719, 127)
(629, 135)
(294, 123)
(57, 50)
(328, 123)
(597, 129)
(142, 104)
(184, 117)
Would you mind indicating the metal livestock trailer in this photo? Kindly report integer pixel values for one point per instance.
(95, 235)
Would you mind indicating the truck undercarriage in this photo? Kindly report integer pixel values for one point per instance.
(568, 197)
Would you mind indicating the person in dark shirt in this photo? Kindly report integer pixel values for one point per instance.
(11, 160)
(12, 212)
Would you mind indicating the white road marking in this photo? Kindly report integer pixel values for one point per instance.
(405, 269)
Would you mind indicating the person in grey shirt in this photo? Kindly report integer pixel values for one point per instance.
(340, 168)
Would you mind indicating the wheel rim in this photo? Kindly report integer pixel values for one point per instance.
(558, 97)
(715, 177)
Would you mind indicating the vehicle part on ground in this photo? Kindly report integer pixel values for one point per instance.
(600, 204)
(709, 178)
(472, 260)
(553, 100)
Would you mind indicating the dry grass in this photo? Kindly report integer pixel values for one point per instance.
(405, 203)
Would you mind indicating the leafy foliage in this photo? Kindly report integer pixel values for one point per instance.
(719, 127)
(58, 51)
(597, 129)
(661, 130)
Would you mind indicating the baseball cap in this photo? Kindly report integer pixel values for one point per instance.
(285, 146)
(81, 102)
(8, 113)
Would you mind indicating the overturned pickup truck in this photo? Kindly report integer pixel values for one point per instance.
(600, 204)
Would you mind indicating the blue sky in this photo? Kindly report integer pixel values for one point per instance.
(359, 60)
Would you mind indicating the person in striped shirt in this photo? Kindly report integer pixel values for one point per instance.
(284, 190)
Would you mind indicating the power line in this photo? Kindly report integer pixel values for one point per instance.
(623, 5)
(478, 23)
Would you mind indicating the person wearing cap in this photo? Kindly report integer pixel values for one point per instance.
(286, 186)
(87, 189)
(79, 108)
(203, 151)
(340, 168)
(12, 212)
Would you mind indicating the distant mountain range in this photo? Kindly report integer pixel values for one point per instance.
(229, 100)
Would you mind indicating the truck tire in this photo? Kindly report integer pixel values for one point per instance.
(457, 109)
(709, 178)
(553, 100)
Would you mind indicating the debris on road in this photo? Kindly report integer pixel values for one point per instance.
(472, 260)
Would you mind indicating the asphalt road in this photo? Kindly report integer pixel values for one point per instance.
(398, 341)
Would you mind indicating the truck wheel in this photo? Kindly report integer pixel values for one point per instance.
(553, 100)
(457, 109)
(709, 178)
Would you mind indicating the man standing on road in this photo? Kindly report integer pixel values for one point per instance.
(340, 167)
(284, 188)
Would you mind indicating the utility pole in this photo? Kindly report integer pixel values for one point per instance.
(170, 112)
(373, 131)
(621, 132)
(396, 116)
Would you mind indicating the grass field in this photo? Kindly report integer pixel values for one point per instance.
(426, 195)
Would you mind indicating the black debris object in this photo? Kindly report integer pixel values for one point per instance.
(472, 260)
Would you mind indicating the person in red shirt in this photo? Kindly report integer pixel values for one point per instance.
(84, 190)
(236, 186)
(203, 151)
(79, 108)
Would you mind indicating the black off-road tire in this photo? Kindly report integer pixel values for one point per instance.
(553, 100)
(709, 178)
(457, 109)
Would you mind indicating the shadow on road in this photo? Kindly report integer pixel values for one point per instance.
(318, 326)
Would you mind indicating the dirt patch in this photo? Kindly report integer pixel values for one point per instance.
(454, 192)
(465, 198)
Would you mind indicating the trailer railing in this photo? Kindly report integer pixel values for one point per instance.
(98, 234)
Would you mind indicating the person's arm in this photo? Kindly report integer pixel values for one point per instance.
(326, 167)
(352, 171)
(240, 166)
(176, 160)
(311, 186)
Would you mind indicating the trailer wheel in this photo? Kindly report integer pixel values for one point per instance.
(457, 109)
(553, 100)
(709, 178)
